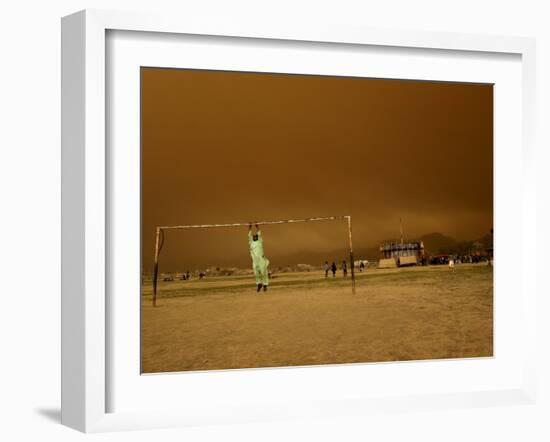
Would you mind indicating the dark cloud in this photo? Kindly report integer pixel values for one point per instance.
(229, 147)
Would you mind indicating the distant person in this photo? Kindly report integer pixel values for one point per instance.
(326, 268)
(362, 266)
(259, 262)
(333, 268)
(344, 268)
(451, 263)
(187, 275)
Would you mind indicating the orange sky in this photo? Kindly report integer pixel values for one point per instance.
(232, 147)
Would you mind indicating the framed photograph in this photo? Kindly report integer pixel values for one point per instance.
(267, 223)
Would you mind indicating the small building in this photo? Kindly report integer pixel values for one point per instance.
(387, 263)
(404, 254)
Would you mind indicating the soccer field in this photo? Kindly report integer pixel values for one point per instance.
(304, 319)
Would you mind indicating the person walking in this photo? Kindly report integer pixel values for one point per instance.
(451, 263)
(333, 268)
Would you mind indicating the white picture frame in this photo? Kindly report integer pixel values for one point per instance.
(86, 205)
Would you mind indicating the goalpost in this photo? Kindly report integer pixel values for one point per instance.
(159, 240)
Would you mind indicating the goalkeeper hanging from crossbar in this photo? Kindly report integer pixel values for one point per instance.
(260, 263)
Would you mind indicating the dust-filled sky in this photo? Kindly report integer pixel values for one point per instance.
(223, 147)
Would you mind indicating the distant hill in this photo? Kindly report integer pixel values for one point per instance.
(487, 240)
(438, 243)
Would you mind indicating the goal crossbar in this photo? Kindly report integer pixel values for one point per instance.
(259, 223)
(160, 230)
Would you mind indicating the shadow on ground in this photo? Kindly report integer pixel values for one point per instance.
(51, 414)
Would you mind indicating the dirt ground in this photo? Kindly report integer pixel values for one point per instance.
(304, 319)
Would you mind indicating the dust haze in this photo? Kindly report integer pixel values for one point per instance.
(223, 147)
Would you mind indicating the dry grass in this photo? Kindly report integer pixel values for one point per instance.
(396, 315)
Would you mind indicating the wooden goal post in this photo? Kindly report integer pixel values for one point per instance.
(159, 240)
